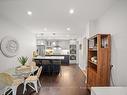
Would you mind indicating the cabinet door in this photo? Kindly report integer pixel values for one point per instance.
(89, 74)
(91, 77)
(103, 68)
(94, 73)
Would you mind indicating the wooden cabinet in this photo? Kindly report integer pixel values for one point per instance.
(91, 80)
(98, 64)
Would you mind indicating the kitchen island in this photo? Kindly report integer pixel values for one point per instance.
(50, 64)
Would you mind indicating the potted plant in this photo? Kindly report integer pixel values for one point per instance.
(22, 60)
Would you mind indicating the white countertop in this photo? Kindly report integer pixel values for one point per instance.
(109, 91)
(49, 57)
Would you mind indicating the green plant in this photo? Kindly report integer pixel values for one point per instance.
(22, 60)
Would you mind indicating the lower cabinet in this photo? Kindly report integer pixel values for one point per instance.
(92, 75)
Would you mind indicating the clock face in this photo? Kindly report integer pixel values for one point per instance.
(9, 46)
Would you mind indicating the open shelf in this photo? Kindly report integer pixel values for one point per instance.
(92, 62)
(92, 49)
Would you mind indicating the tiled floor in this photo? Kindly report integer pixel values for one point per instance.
(70, 82)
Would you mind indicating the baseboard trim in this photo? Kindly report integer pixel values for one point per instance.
(85, 73)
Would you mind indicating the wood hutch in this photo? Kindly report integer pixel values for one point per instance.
(98, 65)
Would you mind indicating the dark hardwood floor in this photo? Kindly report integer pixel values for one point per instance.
(70, 82)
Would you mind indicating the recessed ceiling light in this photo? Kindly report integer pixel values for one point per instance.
(45, 29)
(71, 11)
(29, 13)
(68, 29)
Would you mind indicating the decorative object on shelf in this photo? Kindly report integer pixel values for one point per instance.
(94, 59)
(22, 60)
(9, 46)
(91, 43)
(104, 42)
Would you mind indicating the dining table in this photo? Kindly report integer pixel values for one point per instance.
(21, 71)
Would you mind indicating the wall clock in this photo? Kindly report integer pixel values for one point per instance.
(9, 46)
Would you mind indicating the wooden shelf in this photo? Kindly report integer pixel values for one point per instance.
(92, 62)
(92, 49)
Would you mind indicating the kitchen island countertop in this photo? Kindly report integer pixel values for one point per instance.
(49, 57)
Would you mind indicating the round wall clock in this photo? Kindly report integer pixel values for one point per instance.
(9, 46)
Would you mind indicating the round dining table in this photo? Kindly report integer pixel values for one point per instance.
(22, 71)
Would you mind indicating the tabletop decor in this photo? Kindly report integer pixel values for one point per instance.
(22, 60)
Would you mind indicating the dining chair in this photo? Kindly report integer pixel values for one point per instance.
(9, 84)
(32, 65)
(33, 79)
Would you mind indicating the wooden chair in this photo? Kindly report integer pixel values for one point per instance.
(9, 83)
(34, 79)
(32, 65)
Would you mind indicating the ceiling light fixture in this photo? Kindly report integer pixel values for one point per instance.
(71, 11)
(68, 29)
(29, 13)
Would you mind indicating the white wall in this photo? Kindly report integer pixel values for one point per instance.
(114, 21)
(26, 41)
(83, 53)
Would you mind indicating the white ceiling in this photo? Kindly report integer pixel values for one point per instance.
(53, 14)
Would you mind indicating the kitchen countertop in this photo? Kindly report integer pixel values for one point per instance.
(49, 57)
